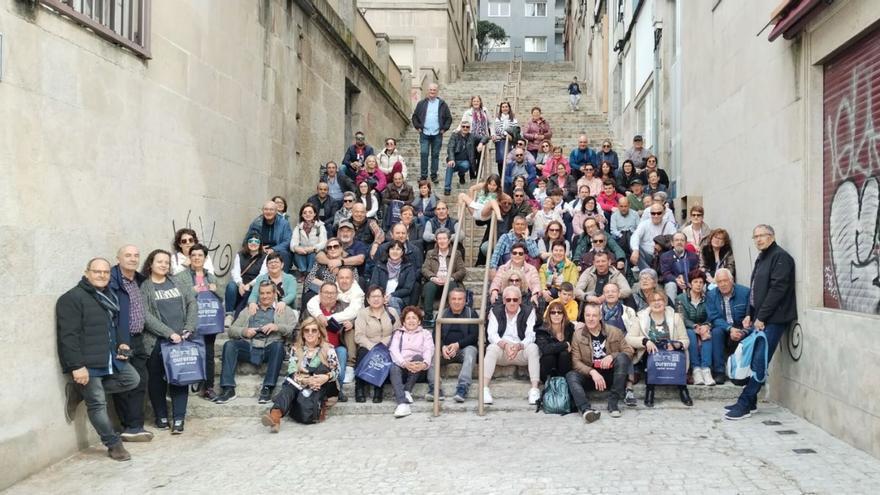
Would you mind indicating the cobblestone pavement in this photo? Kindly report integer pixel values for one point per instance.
(666, 450)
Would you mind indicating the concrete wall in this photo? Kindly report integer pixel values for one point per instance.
(441, 32)
(752, 134)
(99, 147)
(518, 26)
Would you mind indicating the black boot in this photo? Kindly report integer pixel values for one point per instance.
(649, 396)
(359, 395)
(377, 394)
(685, 395)
(341, 397)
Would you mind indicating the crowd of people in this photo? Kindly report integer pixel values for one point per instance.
(591, 273)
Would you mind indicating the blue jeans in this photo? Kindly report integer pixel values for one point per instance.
(240, 350)
(304, 262)
(719, 339)
(231, 296)
(468, 358)
(700, 354)
(95, 393)
(432, 145)
(749, 396)
(460, 167)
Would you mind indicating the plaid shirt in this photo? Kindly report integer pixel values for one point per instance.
(136, 310)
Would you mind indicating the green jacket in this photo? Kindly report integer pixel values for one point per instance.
(154, 327)
(692, 315)
(186, 280)
(286, 322)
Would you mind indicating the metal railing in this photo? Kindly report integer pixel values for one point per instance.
(124, 22)
(509, 92)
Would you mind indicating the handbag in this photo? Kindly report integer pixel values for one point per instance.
(667, 368)
(739, 364)
(306, 408)
(375, 366)
(184, 362)
(211, 314)
(555, 398)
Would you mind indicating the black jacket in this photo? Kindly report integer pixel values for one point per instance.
(773, 287)
(468, 144)
(661, 174)
(418, 116)
(414, 254)
(330, 207)
(500, 312)
(83, 329)
(464, 334)
(548, 344)
(405, 281)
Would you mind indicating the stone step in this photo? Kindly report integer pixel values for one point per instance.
(508, 395)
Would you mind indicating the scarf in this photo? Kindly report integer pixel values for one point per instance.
(110, 303)
(307, 226)
(612, 314)
(394, 268)
(479, 122)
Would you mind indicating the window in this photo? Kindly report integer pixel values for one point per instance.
(500, 46)
(123, 22)
(499, 8)
(536, 9)
(536, 44)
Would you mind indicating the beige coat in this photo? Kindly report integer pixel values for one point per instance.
(679, 332)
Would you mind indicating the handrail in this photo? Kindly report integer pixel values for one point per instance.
(484, 172)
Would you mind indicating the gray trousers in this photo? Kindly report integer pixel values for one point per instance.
(467, 357)
(95, 396)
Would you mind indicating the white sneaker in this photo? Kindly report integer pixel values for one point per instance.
(349, 375)
(402, 410)
(707, 377)
(698, 376)
(534, 395)
(487, 396)
(408, 396)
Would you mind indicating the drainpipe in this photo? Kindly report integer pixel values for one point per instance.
(655, 132)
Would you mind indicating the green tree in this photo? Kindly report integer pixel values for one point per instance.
(488, 34)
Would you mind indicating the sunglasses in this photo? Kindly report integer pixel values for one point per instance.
(656, 213)
(554, 230)
(334, 246)
(465, 127)
(556, 312)
(511, 299)
(519, 195)
(598, 241)
(696, 214)
(513, 280)
(606, 145)
(188, 240)
(310, 330)
(518, 156)
(253, 241)
(518, 253)
(347, 200)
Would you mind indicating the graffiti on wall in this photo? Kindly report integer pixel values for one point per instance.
(851, 272)
(221, 254)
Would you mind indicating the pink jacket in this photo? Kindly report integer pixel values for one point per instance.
(551, 163)
(533, 130)
(533, 280)
(404, 345)
(381, 180)
(608, 203)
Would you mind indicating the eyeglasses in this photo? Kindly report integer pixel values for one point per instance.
(696, 214)
(598, 241)
(554, 230)
(188, 240)
(511, 299)
(310, 330)
(556, 312)
(334, 246)
(656, 213)
(100, 272)
(518, 253)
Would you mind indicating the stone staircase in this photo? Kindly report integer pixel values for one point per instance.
(544, 85)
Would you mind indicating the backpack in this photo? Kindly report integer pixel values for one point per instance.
(555, 398)
(739, 364)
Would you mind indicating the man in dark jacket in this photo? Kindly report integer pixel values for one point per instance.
(325, 206)
(461, 154)
(431, 119)
(275, 232)
(94, 350)
(357, 152)
(676, 264)
(125, 284)
(727, 305)
(772, 308)
(458, 345)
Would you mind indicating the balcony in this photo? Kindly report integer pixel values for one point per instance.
(560, 23)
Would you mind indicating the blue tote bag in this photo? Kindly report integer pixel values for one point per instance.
(184, 362)
(211, 313)
(375, 367)
(667, 368)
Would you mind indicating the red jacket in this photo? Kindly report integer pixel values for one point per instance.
(608, 203)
